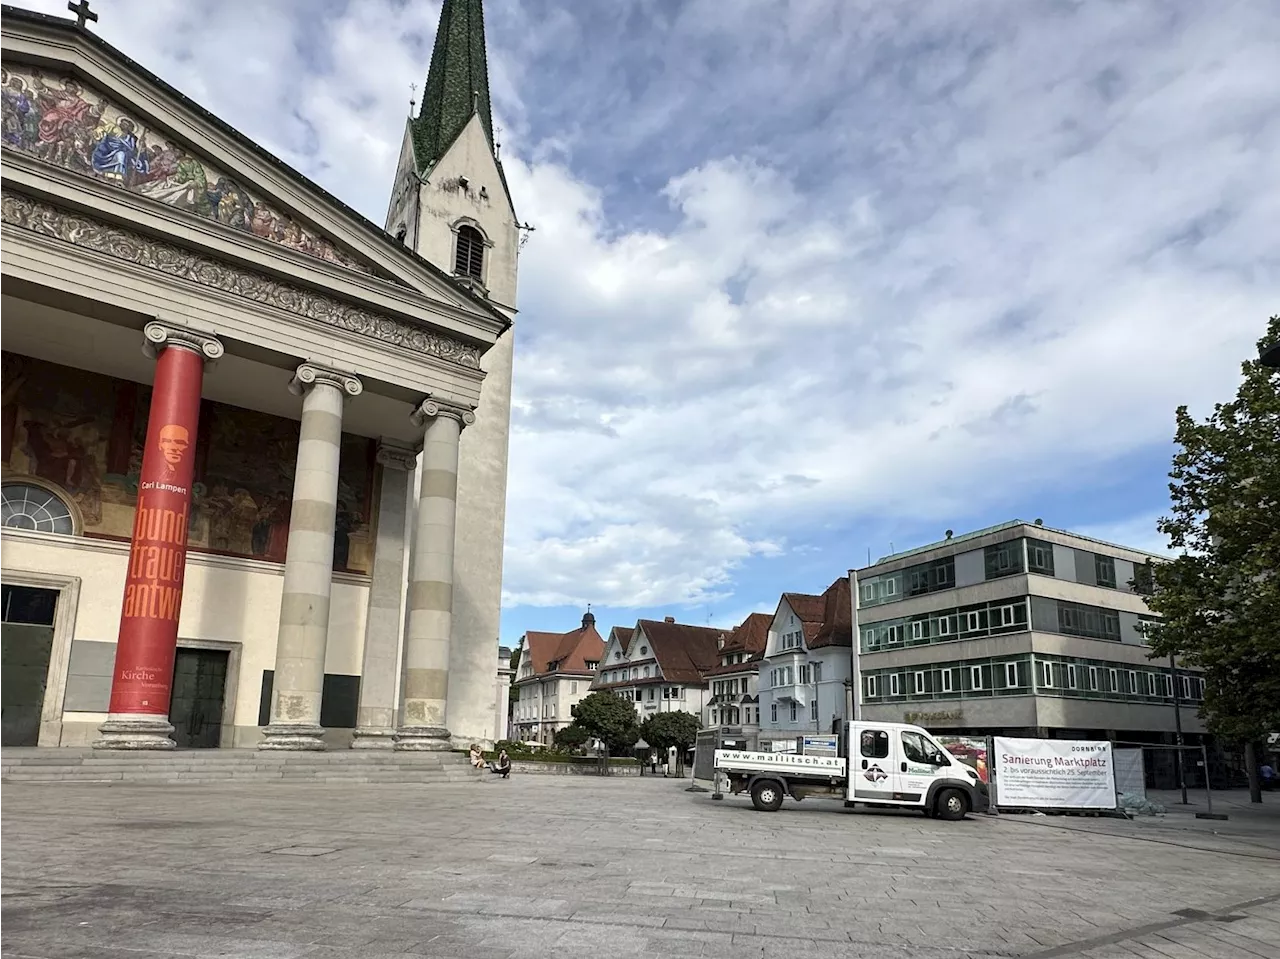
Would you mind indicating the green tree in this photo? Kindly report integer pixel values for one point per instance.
(664, 730)
(610, 717)
(1220, 599)
(571, 737)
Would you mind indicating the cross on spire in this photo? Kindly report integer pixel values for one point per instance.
(82, 12)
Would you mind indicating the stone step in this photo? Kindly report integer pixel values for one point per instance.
(233, 765)
(241, 777)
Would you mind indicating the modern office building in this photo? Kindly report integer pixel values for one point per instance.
(1018, 629)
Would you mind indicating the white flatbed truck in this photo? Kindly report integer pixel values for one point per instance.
(893, 764)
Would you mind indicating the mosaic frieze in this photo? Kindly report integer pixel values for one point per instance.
(63, 122)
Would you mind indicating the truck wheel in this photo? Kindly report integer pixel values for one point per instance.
(952, 805)
(766, 796)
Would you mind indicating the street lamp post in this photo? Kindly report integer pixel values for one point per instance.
(1177, 724)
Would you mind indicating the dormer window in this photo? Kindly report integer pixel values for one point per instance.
(469, 259)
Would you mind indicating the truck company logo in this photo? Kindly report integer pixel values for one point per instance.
(875, 774)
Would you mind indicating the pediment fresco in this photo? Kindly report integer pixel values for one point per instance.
(68, 124)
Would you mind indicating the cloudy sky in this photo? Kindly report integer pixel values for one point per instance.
(816, 277)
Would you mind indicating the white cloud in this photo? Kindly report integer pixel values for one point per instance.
(874, 263)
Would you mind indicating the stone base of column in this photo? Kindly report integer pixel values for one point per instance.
(423, 739)
(125, 731)
(463, 743)
(373, 737)
(287, 736)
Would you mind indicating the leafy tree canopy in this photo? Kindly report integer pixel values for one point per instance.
(571, 737)
(610, 717)
(1220, 599)
(664, 730)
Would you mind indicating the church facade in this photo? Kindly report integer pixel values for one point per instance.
(254, 446)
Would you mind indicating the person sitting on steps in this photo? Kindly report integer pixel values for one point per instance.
(476, 757)
(502, 765)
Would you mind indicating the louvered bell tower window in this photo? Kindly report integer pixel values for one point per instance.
(469, 261)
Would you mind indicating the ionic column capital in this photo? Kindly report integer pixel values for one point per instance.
(396, 457)
(159, 336)
(309, 374)
(431, 407)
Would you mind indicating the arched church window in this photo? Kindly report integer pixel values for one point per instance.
(469, 260)
(28, 506)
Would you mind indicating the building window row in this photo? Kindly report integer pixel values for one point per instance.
(622, 675)
(1043, 675)
(791, 640)
(995, 618)
(1009, 558)
(973, 678)
(729, 687)
(735, 716)
(803, 675)
(792, 712)
(945, 625)
(651, 693)
(918, 580)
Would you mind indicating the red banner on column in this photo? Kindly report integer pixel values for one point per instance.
(143, 677)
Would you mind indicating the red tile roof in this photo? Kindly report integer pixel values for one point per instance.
(623, 635)
(837, 617)
(750, 637)
(571, 651)
(806, 606)
(683, 652)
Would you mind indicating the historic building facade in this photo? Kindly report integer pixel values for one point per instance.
(241, 423)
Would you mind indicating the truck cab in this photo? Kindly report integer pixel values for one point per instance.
(878, 764)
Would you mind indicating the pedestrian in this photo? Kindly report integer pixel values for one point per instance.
(502, 765)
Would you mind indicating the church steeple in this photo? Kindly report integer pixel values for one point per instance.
(457, 82)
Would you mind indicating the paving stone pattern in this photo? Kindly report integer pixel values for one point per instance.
(558, 867)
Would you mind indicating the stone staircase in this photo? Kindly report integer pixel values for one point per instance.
(233, 765)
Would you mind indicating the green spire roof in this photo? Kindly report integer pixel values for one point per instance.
(457, 83)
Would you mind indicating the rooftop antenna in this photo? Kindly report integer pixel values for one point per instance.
(413, 94)
(525, 229)
(891, 547)
(497, 144)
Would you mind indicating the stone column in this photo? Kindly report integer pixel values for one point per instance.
(308, 565)
(138, 716)
(384, 621)
(430, 594)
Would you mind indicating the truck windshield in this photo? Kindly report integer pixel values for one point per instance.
(918, 749)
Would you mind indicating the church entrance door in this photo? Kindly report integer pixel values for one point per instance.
(26, 639)
(199, 692)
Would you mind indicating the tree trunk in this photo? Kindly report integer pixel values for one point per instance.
(1251, 768)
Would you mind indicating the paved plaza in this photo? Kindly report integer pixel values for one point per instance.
(575, 867)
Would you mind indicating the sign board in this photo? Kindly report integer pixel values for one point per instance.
(820, 745)
(1054, 773)
(778, 762)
